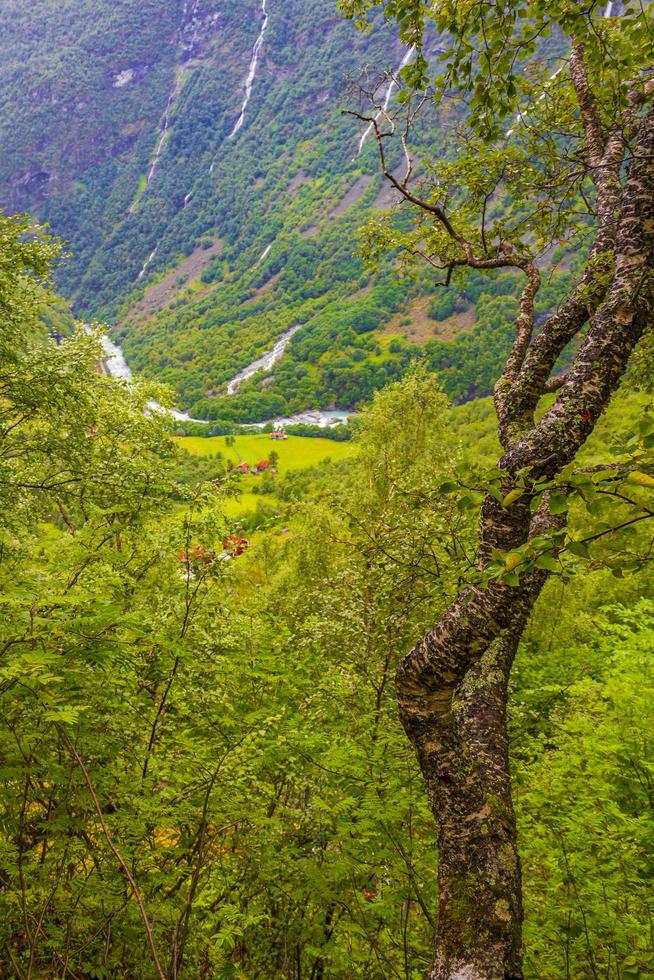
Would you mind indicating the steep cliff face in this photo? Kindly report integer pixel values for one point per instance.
(80, 84)
(90, 91)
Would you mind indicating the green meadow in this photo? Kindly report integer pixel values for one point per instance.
(295, 453)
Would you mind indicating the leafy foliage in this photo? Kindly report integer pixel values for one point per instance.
(236, 720)
(202, 772)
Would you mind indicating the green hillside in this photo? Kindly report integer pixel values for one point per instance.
(285, 180)
(200, 250)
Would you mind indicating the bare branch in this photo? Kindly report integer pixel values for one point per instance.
(114, 850)
(434, 209)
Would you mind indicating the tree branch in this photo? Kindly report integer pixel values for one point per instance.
(114, 850)
(587, 105)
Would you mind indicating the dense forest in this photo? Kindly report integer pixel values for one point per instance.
(196, 289)
(375, 701)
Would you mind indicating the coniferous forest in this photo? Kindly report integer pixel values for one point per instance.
(326, 490)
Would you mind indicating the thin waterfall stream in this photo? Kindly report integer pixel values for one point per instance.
(392, 85)
(252, 72)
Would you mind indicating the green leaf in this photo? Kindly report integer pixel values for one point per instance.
(578, 548)
(548, 563)
(558, 503)
(513, 496)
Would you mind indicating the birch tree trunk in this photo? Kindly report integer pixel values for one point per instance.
(452, 687)
(480, 907)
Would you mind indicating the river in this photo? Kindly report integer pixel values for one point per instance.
(265, 362)
(117, 367)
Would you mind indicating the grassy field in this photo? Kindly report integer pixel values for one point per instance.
(295, 453)
(245, 502)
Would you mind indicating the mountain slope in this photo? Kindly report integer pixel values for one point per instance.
(131, 108)
(195, 156)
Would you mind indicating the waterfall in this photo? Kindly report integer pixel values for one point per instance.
(147, 263)
(189, 19)
(392, 85)
(519, 116)
(163, 133)
(264, 255)
(251, 75)
(249, 81)
(192, 20)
